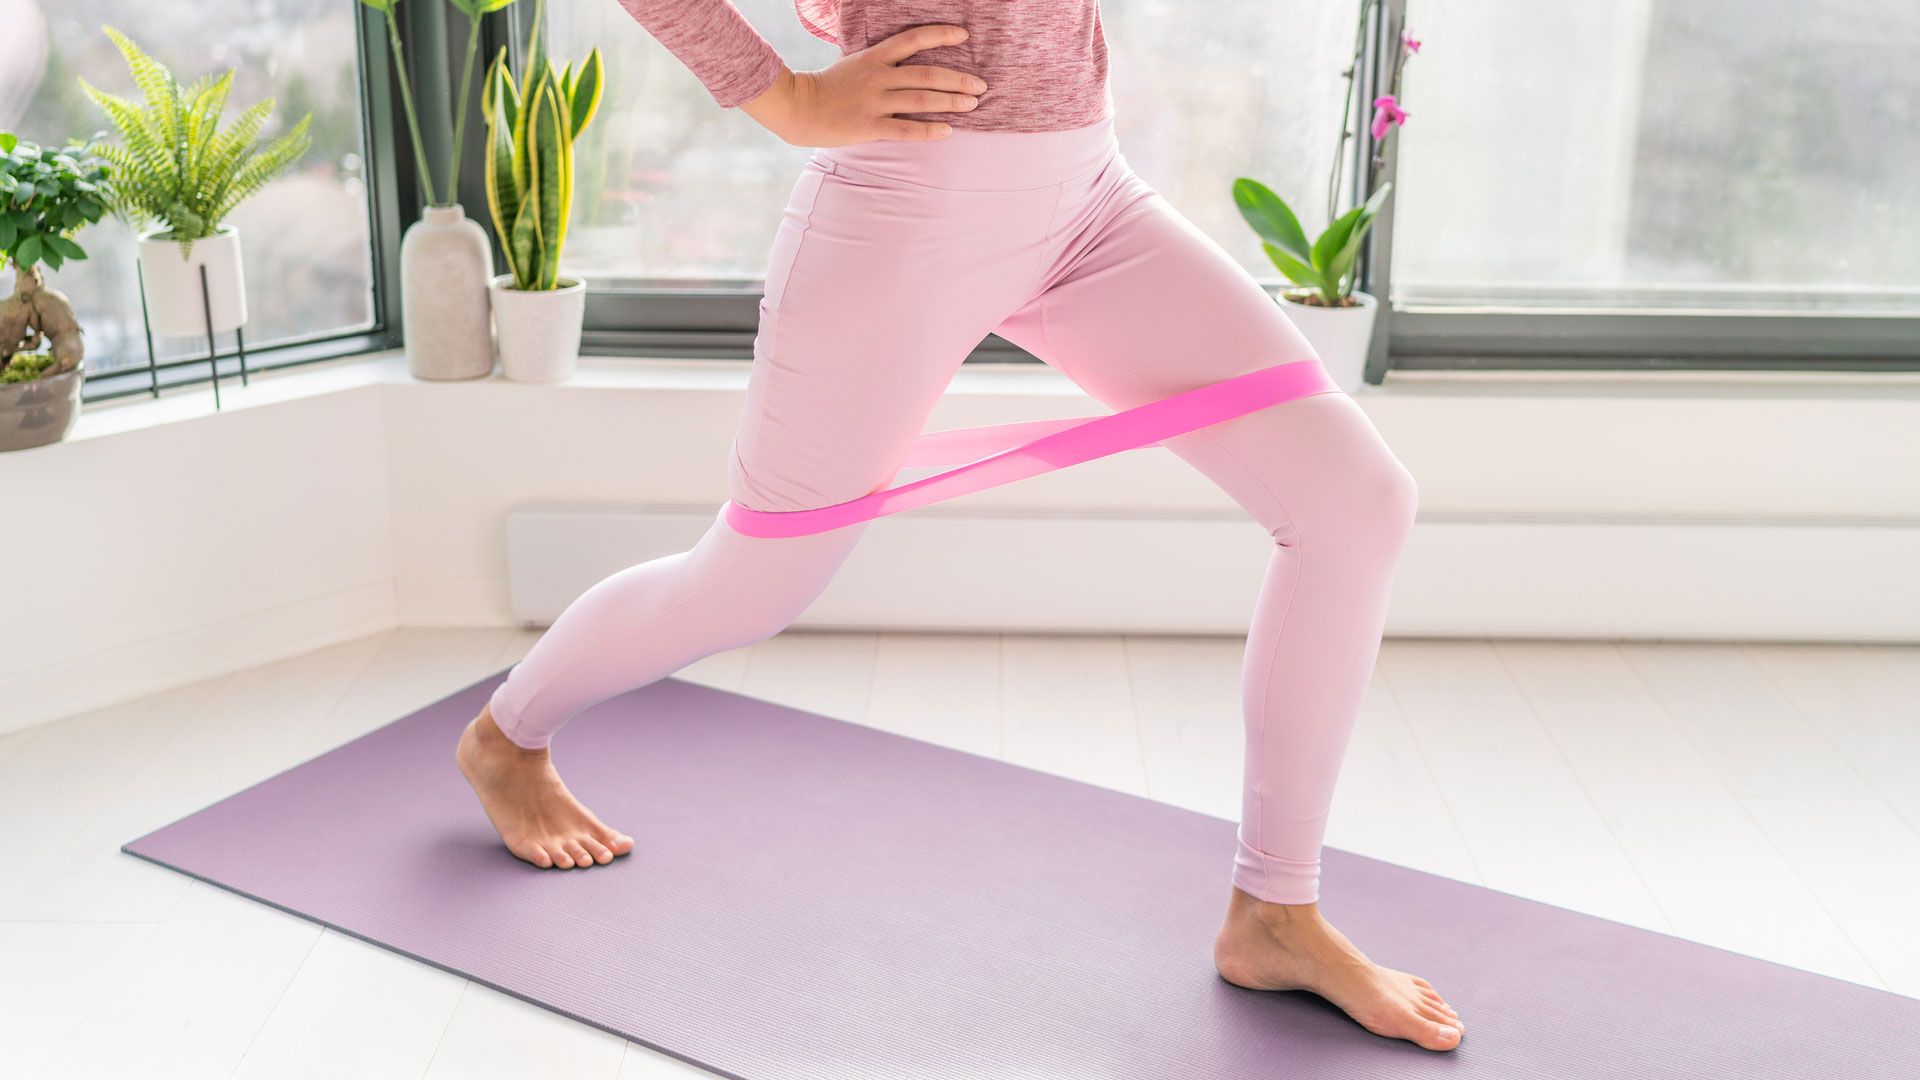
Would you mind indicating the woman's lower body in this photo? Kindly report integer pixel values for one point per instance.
(892, 261)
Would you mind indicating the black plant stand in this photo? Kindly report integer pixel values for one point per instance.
(213, 352)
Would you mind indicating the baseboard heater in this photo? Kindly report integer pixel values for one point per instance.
(943, 569)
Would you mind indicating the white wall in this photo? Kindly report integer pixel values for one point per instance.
(162, 543)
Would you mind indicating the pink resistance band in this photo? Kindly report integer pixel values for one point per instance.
(1047, 445)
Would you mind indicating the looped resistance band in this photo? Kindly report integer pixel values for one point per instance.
(1017, 451)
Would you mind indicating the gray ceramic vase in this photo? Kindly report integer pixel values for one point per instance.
(41, 411)
(445, 264)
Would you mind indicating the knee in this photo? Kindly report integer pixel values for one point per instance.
(1379, 503)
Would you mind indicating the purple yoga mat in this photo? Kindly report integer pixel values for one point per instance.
(810, 898)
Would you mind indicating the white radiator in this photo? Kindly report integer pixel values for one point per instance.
(938, 569)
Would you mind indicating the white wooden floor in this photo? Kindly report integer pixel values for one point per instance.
(1762, 799)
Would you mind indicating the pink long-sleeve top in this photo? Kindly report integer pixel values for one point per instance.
(1044, 61)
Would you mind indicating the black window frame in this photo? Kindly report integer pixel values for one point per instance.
(718, 319)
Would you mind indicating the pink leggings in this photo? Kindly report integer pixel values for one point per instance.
(894, 259)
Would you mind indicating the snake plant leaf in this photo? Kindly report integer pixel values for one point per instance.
(550, 171)
(1270, 218)
(521, 243)
(586, 92)
(503, 196)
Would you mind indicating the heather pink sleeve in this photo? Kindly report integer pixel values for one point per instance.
(715, 42)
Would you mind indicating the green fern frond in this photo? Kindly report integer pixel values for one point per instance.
(176, 164)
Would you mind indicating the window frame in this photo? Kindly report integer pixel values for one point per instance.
(718, 319)
(1410, 340)
(393, 202)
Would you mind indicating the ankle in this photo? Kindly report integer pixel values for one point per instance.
(492, 740)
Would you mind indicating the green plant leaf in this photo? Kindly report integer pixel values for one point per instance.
(1297, 272)
(1332, 240)
(28, 252)
(66, 247)
(24, 192)
(1270, 217)
(8, 140)
(381, 6)
(1342, 261)
(9, 232)
(587, 87)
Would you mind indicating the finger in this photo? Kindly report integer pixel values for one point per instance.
(916, 39)
(899, 101)
(929, 77)
(890, 127)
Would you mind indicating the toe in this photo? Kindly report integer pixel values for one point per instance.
(536, 855)
(613, 839)
(561, 858)
(598, 850)
(1440, 1036)
(578, 853)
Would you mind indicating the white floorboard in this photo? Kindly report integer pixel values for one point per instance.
(1758, 798)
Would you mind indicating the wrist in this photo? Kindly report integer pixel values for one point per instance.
(773, 107)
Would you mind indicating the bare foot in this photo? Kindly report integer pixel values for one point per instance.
(533, 811)
(1266, 946)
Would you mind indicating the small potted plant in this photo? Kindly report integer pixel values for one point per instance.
(531, 126)
(178, 169)
(47, 194)
(1336, 319)
(445, 261)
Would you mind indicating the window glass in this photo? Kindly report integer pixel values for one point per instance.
(304, 237)
(674, 191)
(1707, 155)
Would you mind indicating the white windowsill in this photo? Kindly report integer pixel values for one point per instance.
(135, 412)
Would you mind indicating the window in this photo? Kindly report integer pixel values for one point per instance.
(306, 250)
(676, 193)
(1661, 156)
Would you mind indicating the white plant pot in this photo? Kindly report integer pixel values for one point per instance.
(538, 330)
(172, 283)
(444, 267)
(1341, 335)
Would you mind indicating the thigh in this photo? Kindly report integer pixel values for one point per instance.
(1150, 306)
(875, 294)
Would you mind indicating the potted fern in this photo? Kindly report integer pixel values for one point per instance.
(531, 125)
(182, 174)
(47, 194)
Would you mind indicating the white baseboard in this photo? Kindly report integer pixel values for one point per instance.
(1081, 572)
(96, 680)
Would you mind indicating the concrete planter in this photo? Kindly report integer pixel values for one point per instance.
(39, 412)
(444, 265)
(172, 283)
(539, 330)
(1341, 335)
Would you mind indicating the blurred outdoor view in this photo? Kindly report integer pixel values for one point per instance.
(304, 239)
(677, 192)
(1731, 155)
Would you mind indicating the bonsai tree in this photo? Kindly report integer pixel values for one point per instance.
(47, 194)
(531, 125)
(177, 165)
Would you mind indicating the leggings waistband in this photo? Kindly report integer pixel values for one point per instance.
(967, 159)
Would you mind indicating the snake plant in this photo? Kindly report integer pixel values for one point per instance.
(531, 125)
(177, 165)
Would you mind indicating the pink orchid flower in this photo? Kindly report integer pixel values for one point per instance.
(1407, 39)
(1386, 113)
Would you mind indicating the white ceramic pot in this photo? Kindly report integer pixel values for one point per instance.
(444, 266)
(172, 283)
(1341, 335)
(538, 329)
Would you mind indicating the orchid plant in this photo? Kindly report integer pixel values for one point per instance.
(1324, 266)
